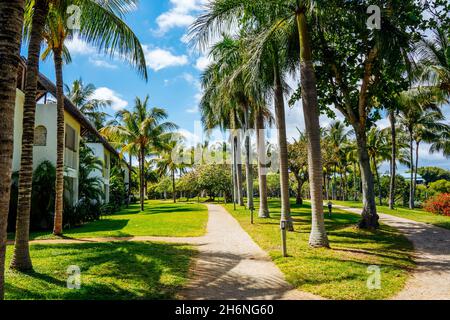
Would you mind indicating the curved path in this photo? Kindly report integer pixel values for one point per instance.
(231, 265)
(431, 279)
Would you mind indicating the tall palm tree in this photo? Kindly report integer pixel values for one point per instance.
(11, 21)
(35, 18)
(283, 20)
(167, 162)
(113, 36)
(379, 150)
(141, 130)
(434, 63)
(420, 117)
(81, 96)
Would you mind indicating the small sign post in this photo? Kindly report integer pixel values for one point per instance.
(283, 225)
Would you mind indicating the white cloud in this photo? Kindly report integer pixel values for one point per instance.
(181, 15)
(79, 46)
(102, 63)
(203, 62)
(104, 93)
(158, 59)
(192, 110)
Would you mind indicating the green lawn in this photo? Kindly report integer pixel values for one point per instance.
(113, 271)
(160, 218)
(340, 272)
(416, 214)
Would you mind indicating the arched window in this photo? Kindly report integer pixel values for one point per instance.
(40, 136)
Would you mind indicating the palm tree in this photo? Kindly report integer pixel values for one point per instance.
(434, 63)
(81, 96)
(379, 150)
(141, 130)
(11, 21)
(420, 117)
(113, 36)
(35, 16)
(167, 163)
(279, 24)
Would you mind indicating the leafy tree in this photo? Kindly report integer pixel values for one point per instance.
(432, 174)
(439, 186)
(298, 164)
(214, 179)
(360, 68)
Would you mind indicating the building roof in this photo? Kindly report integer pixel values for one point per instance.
(45, 85)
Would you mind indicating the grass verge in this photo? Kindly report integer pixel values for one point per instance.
(418, 215)
(340, 272)
(160, 218)
(109, 271)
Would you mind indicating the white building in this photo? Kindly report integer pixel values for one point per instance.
(76, 127)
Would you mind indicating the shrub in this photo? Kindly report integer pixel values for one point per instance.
(439, 204)
(42, 198)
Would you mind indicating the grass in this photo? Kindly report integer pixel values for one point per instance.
(109, 271)
(160, 218)
(416, 214)
(340, 272)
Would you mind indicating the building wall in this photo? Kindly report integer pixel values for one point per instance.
(45, 116)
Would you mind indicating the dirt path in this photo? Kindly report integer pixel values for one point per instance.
(231, 265)
(431, 278)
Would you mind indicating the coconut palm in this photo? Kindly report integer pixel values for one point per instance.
(81, 96)
(141, 130)
(11, 21)
(420, 118)
(113, 36)
(35, 16)
(279, 25)
(379, 150)
(167, 162)
(434, 63)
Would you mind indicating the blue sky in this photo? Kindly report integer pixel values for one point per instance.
(174, 69)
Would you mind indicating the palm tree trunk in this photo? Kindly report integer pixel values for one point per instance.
(282, 143)
(299, 198)
(318, 236)
(261, 146)
(248, 167)
(416, 167)
(11, 22)
(333, 185)
(239, 178)
(393, 160)
(141, 177)
(355, 182)
(21, 258)
(174, 191)
(411, 168)
(369, 214)
(59, 185)
(380, 196)
(129, 180)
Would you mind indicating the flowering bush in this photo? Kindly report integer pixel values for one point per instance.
(439, 204)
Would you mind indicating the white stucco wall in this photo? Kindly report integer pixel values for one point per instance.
(45, 116)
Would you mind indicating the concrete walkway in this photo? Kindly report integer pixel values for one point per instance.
(231, 266)
(431, 279)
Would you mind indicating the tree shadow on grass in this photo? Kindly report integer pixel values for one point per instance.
(100, 226)
(109, 271)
